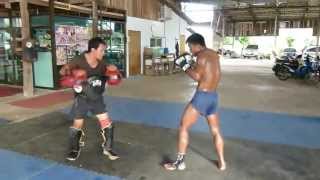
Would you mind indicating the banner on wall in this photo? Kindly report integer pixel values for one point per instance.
(70, 41)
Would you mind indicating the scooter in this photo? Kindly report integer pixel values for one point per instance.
(289, 61)
(315, 76)
(286, 71)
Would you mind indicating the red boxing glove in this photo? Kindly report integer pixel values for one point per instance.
(67, 81)
(113, 75)
(74, 78)
(79, 74)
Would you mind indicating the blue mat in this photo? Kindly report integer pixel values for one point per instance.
(3, 121)
(16, 166)
(242, 124)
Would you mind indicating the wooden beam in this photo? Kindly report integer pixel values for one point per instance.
(78, 1)
(94, 18)
(177, 11)
(27, 66)
(53, 44)
(74, 8)
(254, 17)
(268, 8)
(250, 10)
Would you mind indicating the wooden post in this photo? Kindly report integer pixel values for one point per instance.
(53, 44)
(28, 90)
(94, 18)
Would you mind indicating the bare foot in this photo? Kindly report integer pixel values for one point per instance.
(222, 166)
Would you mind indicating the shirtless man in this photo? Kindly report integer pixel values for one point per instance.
(206, 72)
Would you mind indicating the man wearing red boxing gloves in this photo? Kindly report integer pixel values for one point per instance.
(88, 74)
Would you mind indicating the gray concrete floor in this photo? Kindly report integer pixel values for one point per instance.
(246, 84)
(144, 148)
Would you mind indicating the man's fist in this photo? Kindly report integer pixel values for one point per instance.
(113, 75)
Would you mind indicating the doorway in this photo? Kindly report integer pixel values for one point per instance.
(134, 53)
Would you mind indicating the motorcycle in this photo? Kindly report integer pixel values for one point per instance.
(315, 76)
(287, 71)
(288, 61)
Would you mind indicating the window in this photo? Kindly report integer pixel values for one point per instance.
(290, 50)
(252, 47)
(156, 42)
(314, 49)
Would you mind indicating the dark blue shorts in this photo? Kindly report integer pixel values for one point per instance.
(206, 103)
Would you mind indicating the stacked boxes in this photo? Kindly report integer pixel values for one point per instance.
(157, 65)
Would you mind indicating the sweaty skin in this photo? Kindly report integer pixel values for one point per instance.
(206, 70)
(207, 73)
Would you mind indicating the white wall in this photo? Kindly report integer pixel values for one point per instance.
(148, 29)
(170, 30)
(174, 27)
(302, 37)
(207, 33)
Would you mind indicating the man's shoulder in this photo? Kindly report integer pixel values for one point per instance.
(207, 54)
(210, 52)
(80, 57)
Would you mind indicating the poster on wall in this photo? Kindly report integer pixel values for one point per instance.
(82, 38)
(70, 41)
(61, 54)
(65, 35)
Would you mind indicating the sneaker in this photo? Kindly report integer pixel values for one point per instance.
(177, 165)
(111, 155)
(73, 155)
(81, 144)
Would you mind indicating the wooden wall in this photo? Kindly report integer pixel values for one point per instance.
(147, 9)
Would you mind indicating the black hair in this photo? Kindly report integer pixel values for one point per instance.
(196, 39)
(94, 43)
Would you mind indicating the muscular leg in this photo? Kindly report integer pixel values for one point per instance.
(213, 121)
(189, 117)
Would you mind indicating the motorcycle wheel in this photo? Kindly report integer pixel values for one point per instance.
(312, 78)
(283, 74)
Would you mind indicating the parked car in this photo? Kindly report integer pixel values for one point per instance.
(225, 51)
(251, 51)
(311, 51)
(289, 52)
(229, 52)
(235, 54)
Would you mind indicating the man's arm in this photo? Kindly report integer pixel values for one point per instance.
(196, 71)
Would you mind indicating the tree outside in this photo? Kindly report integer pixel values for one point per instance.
(290, 41)
(244, 40)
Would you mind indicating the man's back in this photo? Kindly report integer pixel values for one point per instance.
(208, 62)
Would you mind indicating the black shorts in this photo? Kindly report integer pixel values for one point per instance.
(81, 107)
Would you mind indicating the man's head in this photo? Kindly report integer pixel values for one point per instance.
(96, 47)
(196, 43)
